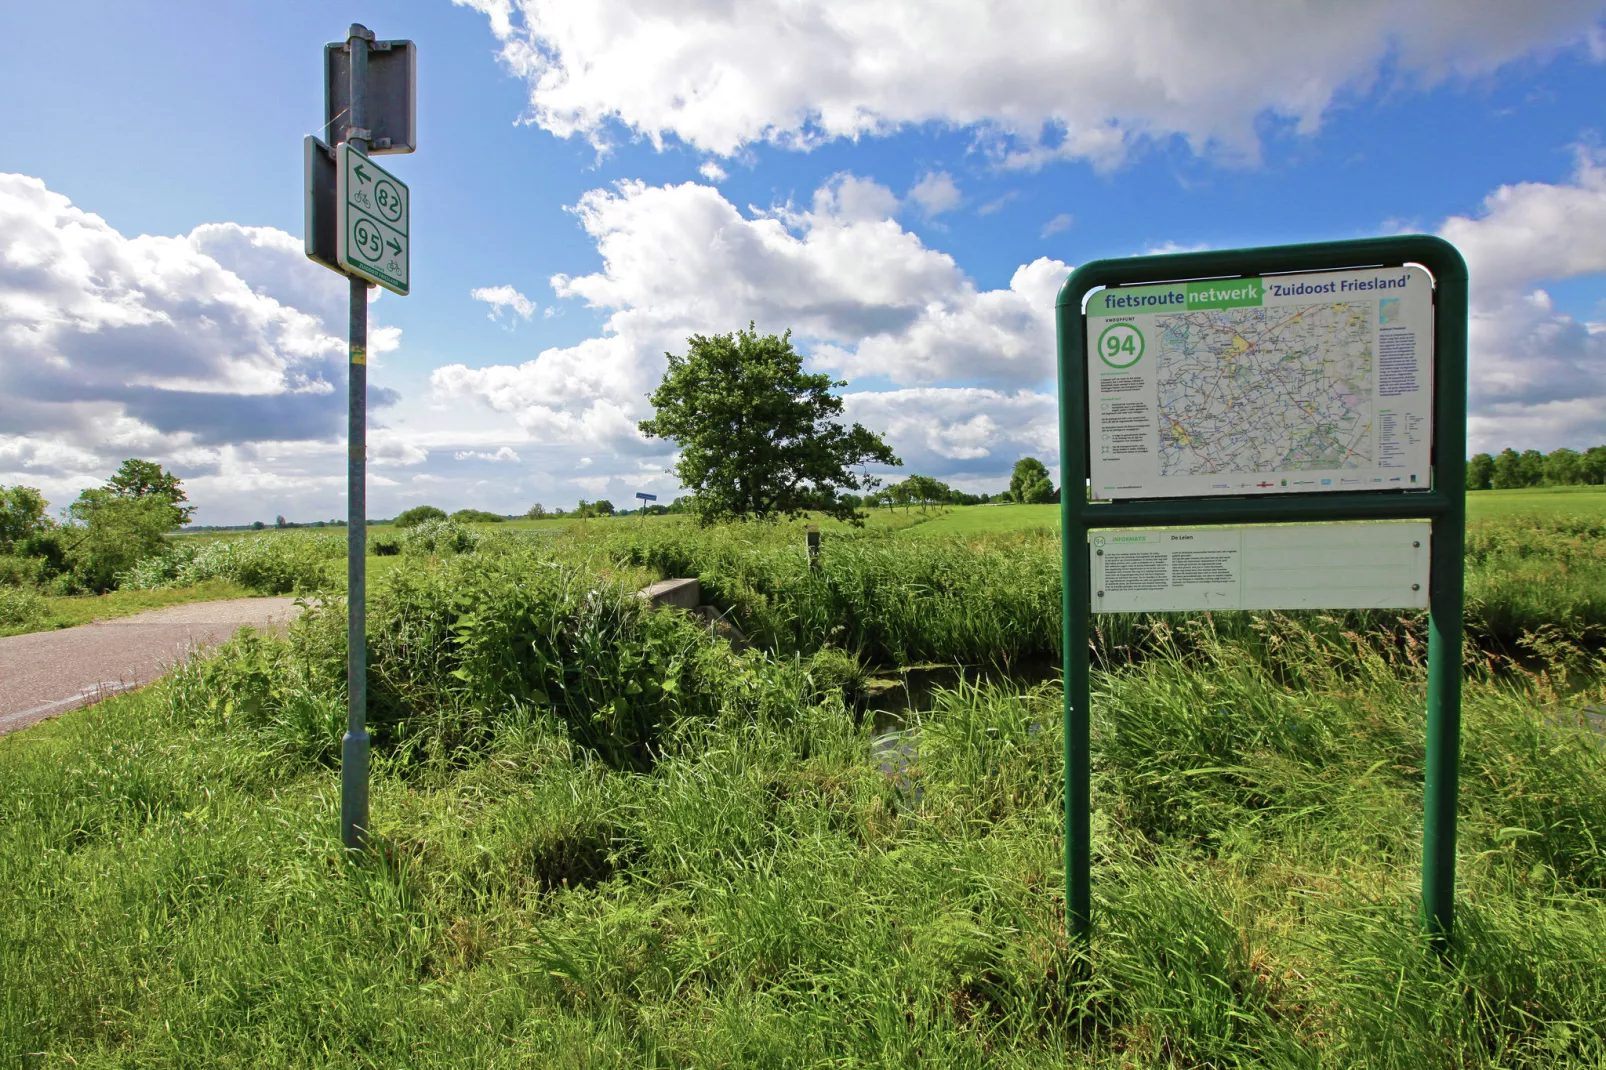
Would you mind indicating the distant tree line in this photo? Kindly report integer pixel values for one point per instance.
(1029, 484)
(1563, 467)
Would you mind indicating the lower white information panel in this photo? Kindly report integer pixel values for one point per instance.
(1275, 566)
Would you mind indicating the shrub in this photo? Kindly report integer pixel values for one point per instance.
(477, 516)
(269, 564)
(439, 536)
(18, 606)
(417, 515)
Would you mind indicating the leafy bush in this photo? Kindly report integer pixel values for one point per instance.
(477, 516)
(19, 605)
(269, 564)
(417, 515)
(441, 535)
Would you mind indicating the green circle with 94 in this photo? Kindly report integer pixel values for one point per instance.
(367, 239)
(1120, 345)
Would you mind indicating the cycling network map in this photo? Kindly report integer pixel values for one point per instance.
(1283, 384)
(1268, 389)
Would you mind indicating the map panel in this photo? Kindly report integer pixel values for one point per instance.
(1284, 384)
(1265, 389)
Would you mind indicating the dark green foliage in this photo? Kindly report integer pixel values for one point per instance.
(147, 479)
(758, 437)
(439, 536)
(112, 527)
(477, 516)
(1562, 467)
(1029, 483)
(417, 515)
(22, 516)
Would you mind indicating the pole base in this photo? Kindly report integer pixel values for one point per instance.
(354, 789)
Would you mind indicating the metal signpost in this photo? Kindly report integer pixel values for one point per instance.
(357, 224)
(1301, 385)
(645, 498)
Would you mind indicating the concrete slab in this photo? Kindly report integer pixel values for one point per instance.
(676, 594)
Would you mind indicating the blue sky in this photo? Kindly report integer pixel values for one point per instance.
(903, 185)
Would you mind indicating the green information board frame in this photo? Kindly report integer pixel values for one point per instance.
(1443, 505)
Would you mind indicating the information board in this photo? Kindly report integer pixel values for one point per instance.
(1286, 566)
(1282, 384)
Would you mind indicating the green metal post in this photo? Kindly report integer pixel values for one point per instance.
(1447, 560)
(1074, 635)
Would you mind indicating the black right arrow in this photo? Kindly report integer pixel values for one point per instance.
(394, 248)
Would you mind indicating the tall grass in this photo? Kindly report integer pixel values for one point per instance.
(275, 563)
(995, 599)
(764, 891)
(604, 838)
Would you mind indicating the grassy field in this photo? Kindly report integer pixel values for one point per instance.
(1481, 505)
(604, 838)
(1537, 501)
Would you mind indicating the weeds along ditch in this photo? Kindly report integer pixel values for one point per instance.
(995, 599)
(605, 838)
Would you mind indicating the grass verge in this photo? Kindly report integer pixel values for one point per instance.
(53, 613)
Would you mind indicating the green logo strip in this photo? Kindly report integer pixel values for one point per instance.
(1178, 297)
(1226, 293)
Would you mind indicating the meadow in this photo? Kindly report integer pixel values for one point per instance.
(604, 837)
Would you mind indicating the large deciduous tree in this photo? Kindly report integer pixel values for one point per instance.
(1029, 483)
(758, 436)
(115, 525)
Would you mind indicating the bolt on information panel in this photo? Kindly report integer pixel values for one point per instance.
(1274, 385)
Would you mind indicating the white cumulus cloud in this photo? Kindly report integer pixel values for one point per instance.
(505, 299)
(1044, 78)
(1538, 375)
(199, 350)
(936, 192)
(505, 453)
(863, 296)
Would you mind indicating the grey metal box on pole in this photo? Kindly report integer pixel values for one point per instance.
(321, 227)
(390, 96)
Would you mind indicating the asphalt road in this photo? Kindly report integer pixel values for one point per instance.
(46, 673)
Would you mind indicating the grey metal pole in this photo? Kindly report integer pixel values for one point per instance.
(354, 745)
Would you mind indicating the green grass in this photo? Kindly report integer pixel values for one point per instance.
(71, 611)
(768, 891)
(986, 519)
(603, 838)
(1481, 505)
(1537, 501)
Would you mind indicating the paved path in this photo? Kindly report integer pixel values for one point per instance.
(46, 673)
